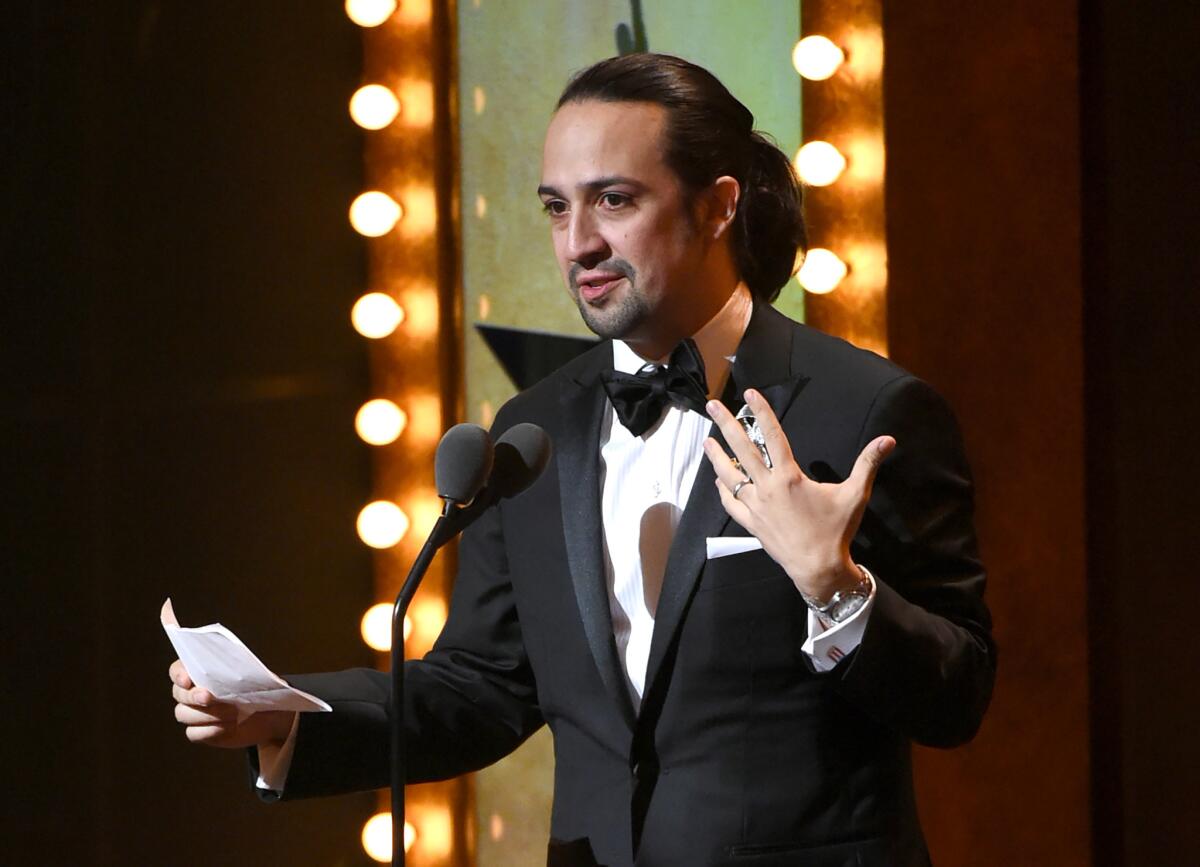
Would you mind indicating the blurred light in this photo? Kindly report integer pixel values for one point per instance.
(370, 13)
(822, 271)
(374, 213)
(816, 58)
(497, 826)
(485, 306)
(373, 106)
(416, 11)
(429, 618)
(819, 163)
(424, 420)
(425, 508)
(380, 421)
(486, 413)
(376, 315)
(420, 211)
(421, 311)
(377, 837)
(480, 206)
(376, 626)
(416, 95)
(382, 524)
(865, 154)
(480, 98)
(437, 830)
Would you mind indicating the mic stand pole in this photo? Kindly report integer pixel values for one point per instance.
(442, 531)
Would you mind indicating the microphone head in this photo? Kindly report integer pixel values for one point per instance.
(463, 462)
(522, 453)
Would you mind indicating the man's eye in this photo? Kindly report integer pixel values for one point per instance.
(614, 200)
(554, 207)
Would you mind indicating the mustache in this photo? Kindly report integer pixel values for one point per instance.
(614, 266)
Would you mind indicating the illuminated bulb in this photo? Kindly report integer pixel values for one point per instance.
(376, 315)
(822, 271)
(816, 58)
(819, 163)
(382, 524)
(376, 626)
(374, 213)
(370, 13)
(373, 106)
(380, 422)
(377, 837)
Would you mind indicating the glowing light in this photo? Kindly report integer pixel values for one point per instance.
(487, 414)
(424, 419)
(377, 837)
(370, 13)
(480, 206)
(425, 508)
(416, 11)
(816, 58)
(373, 106)
(822, 271)
(380, 422)
(417, 97)
(485, 306)
(376, 315)
(437, 830)
(421, 311)
(382, 524)
(376, 626)
(819, 163)
(479, 96)
(420, 211)
(497, 826)
(374, 214)
(429, 617)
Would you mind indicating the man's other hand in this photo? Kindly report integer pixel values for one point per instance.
(207, 720)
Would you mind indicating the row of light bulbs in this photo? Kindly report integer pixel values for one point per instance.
(376, 315)
(819, 163)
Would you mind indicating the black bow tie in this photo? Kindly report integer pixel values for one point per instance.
(639, 399)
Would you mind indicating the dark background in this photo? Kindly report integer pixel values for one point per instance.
(180, 379)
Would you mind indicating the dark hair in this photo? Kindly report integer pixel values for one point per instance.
(709, 134)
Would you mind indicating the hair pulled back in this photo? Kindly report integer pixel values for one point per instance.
(709, 134)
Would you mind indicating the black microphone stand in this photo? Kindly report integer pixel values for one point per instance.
(442, 532)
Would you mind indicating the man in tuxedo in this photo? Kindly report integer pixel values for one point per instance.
(734, 629)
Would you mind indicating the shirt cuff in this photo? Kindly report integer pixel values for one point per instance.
(274, 761)
(827, 647)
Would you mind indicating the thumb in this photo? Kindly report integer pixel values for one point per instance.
(862, 477)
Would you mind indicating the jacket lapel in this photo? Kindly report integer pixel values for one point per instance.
(577, 453)
(763, 361)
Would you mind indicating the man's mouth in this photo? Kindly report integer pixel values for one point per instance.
(596, 285)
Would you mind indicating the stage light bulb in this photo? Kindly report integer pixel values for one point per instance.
(370, 13)
(816, 58)
(822, 271)
(374, 213)
(382, 524)
(373, 106)
(819, 163)
(376, 315)
(380, 421)
(376, 627)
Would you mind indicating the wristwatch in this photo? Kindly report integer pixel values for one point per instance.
(844, 603)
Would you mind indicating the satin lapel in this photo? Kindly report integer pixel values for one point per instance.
(764, 361)
(577, 452)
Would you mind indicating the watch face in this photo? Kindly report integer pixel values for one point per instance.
(845, 607)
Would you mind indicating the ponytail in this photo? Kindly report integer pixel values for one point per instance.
(769, 226)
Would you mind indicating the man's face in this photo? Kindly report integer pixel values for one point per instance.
(624, 237)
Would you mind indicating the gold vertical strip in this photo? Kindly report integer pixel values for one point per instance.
(415, 161)
(847, 216)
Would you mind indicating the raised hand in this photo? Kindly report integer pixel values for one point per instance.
(804, 525)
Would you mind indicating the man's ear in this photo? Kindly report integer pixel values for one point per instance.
(721, 200)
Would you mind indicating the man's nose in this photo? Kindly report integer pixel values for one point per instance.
(585, 244)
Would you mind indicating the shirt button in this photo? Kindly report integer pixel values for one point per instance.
(656, 487)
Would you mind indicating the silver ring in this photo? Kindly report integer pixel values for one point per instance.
(737, 489)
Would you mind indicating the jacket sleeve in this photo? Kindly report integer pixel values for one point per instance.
(927, 661)
(469, 702)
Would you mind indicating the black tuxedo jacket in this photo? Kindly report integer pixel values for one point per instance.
(741, 752)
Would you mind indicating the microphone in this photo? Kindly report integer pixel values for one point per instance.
(471, 475)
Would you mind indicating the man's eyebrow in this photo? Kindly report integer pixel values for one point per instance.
(593, 185)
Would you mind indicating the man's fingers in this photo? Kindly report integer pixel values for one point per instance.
(728, 474)
(862, 477)
(196, 697)
(179, 675)
(193, 716)
(746, 452)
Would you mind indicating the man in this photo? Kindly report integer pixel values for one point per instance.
(753, 707)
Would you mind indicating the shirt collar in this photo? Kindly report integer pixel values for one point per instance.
(717, 340)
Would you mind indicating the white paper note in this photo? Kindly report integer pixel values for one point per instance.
(217, 660)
